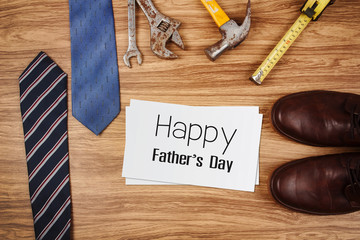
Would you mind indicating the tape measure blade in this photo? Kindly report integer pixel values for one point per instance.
(280, 49)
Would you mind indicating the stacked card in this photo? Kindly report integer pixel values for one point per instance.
(204, 146)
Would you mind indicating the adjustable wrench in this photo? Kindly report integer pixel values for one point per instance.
(162, 30)
(132, 50)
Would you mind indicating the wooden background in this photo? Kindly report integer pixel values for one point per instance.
(326, 56)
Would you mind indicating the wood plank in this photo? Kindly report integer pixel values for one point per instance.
(326, 56)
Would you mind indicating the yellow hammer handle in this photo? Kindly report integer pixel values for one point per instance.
(216, 12)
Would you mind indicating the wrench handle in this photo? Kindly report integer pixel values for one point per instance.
(131, 21)
(148, 8)
(216, 12)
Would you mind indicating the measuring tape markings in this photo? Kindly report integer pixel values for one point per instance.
(311, 10)
(280, 49)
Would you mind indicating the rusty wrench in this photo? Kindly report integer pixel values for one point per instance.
(162, 30)
(132, 50)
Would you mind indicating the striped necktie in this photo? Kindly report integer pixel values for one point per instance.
(94, 69)
(43, 102)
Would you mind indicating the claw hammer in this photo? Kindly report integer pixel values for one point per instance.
(232, 33)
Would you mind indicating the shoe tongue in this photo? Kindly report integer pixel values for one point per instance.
(353, 195)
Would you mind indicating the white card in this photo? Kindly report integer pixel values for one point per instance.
(192, 145)
(250, 109)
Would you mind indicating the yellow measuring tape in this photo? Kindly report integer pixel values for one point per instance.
(311, 10)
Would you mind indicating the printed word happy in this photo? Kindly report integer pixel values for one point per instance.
(193, 132)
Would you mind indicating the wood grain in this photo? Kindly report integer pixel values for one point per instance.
(326, 56)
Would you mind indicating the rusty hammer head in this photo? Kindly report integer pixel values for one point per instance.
(232, 35)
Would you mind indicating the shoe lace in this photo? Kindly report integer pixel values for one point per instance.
(355, 121)
(354, 175)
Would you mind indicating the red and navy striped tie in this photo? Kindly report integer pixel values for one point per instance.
(43, 102)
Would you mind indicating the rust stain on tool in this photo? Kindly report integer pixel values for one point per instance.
(162, 30)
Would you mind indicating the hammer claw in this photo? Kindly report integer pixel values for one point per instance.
(247, 21)
(232, 35)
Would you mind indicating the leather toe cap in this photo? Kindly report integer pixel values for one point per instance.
(316, 185)
(283, 186)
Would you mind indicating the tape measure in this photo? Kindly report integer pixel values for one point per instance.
(311, 10)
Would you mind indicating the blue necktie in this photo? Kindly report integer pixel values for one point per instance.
(95, 77)
(43, 102)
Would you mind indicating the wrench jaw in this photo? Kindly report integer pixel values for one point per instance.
(160, 51)
(176, 38)
(162, 30)
(132, 53)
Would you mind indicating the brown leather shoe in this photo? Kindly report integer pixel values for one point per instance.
(319, 185)
(319, 118)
